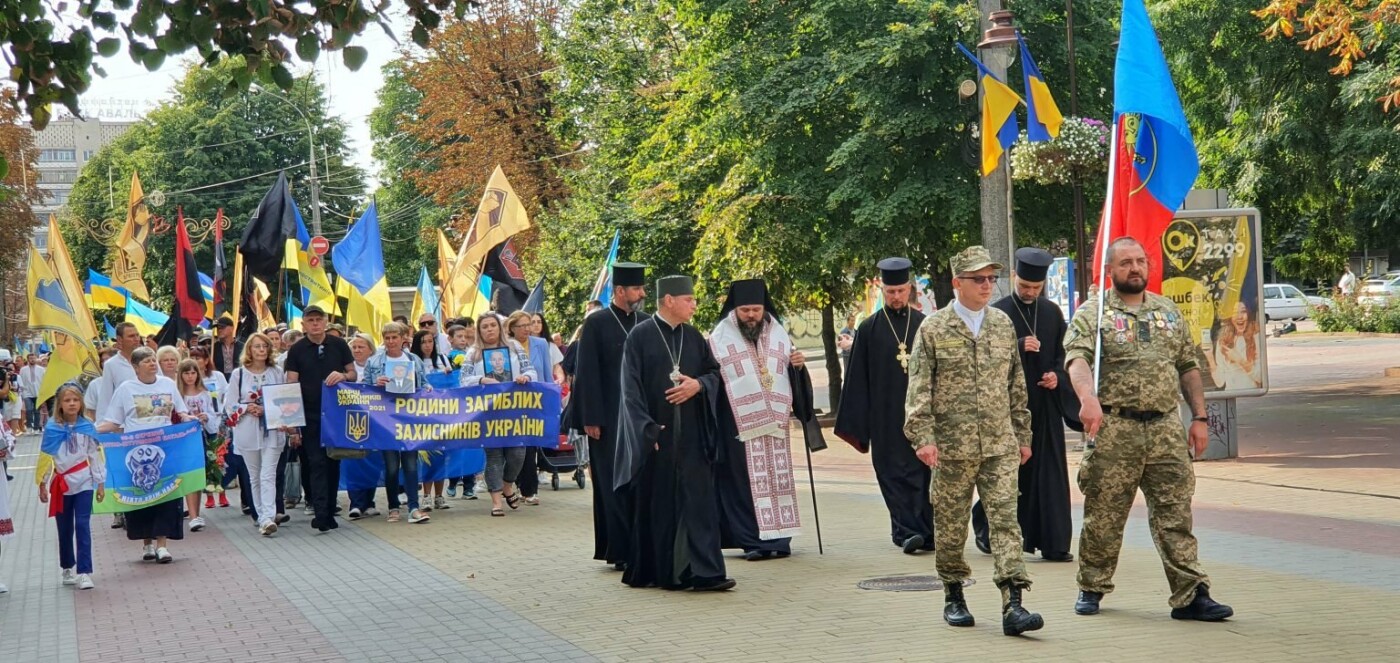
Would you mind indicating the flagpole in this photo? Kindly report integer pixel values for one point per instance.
(1103, 247)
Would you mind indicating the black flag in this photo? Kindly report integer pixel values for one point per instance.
(509, 289)
(265, 239)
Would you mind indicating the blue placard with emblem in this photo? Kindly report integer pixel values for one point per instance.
(360, 416)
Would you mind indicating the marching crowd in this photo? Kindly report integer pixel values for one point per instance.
(217, 380)
(689, 433)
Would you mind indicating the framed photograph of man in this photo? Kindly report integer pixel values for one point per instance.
(283, 407)
(496, 364)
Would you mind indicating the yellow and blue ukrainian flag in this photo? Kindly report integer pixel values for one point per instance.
(1043, 118)
(999, 128)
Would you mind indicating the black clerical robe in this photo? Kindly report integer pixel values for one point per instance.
(596, 396)
(665, 458)
(1043, 508)
(871, 418)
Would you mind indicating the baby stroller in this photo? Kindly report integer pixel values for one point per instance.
(572, 455)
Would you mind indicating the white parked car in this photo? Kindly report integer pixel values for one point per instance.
(1283, 301)
(1379, 292)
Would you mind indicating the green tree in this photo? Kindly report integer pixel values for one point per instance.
(205, 152)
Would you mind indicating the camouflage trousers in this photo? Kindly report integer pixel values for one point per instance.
(1129, 455)
(996, 479)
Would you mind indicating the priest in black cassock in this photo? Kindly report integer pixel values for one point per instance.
(597, 394)
(1043, 507)
(871, 416)
(759, 366)
(668, 444)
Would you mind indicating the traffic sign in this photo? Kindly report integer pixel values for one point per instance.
(320, 245)
(313, 261)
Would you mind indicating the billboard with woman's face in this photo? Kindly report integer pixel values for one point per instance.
(1211, 269)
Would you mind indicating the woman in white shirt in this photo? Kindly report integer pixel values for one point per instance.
(259, 447)
(361, 499)
(71, 468)
(149, 401)
(169, 359)
(202, 406)
(495, 359)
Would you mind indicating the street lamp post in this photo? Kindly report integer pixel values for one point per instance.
(311, 148)
(997, 50)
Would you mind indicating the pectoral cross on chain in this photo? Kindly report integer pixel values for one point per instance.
(903, 358)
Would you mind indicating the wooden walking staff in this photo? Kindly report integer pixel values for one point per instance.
(816, 515)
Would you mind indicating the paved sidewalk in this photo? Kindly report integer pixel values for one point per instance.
(1302, 538)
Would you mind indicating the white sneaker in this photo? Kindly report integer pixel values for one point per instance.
(269, 528)
(371, 512)
(197, 523)
(148, 552)
(69, 577)
(355, 514)
(309, 510)
(85, 581)
(163, 556)
(440, 502)
(4, 589)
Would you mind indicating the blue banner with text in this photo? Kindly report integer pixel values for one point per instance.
(359, 416)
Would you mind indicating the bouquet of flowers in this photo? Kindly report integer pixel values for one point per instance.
(1081, 147)
(233, 418)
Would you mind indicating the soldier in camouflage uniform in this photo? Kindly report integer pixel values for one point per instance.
(1148, 359)
(966, 417)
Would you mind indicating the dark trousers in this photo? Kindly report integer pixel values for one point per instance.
(612, 509)
(408, 462)
(239, 469)
(528, 481)
(361, 498)
(74, 523)
(321, 474)
(282, 462)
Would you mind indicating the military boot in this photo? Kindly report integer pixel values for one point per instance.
(1015, 619)
(955, 607)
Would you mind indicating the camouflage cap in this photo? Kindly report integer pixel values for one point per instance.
(972, 259)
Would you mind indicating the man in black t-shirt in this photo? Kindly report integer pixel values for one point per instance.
(315, 360)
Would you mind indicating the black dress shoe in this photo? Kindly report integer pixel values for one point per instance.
(913, 544)
(758, 555)
(983, 543)
(712, 584)
(619, 566)
(1203, 608)
(1087, 603)
(1057, 557)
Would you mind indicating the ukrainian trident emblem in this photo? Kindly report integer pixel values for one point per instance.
(357, 426)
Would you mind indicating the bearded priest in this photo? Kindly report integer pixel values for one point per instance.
(755, 486)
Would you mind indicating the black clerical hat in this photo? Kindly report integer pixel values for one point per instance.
(1032, 264)
(747, 292)
(894, 271)
(674, 286)
(627, 274)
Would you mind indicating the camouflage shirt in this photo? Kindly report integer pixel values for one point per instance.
(967, 395)
(1146, 350)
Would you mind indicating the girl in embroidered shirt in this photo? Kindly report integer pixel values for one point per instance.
(201, 406)
(71, 466)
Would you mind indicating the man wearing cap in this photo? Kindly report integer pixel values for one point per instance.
(1148, 363)
(667, 445)
(1043, 508)
(871, 414)
(754, 483)
(966, 414)
(315, 360)
(228, 351)
(597, 394)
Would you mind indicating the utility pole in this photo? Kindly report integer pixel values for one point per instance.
(996, 50)
(1081, 257)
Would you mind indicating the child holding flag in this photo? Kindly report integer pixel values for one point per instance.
(71, 466)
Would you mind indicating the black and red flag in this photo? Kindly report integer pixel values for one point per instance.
(188, 309)
(510, 290)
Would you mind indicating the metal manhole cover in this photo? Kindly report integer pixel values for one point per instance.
(906, 583)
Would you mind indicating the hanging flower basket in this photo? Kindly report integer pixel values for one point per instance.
(1082, 146)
